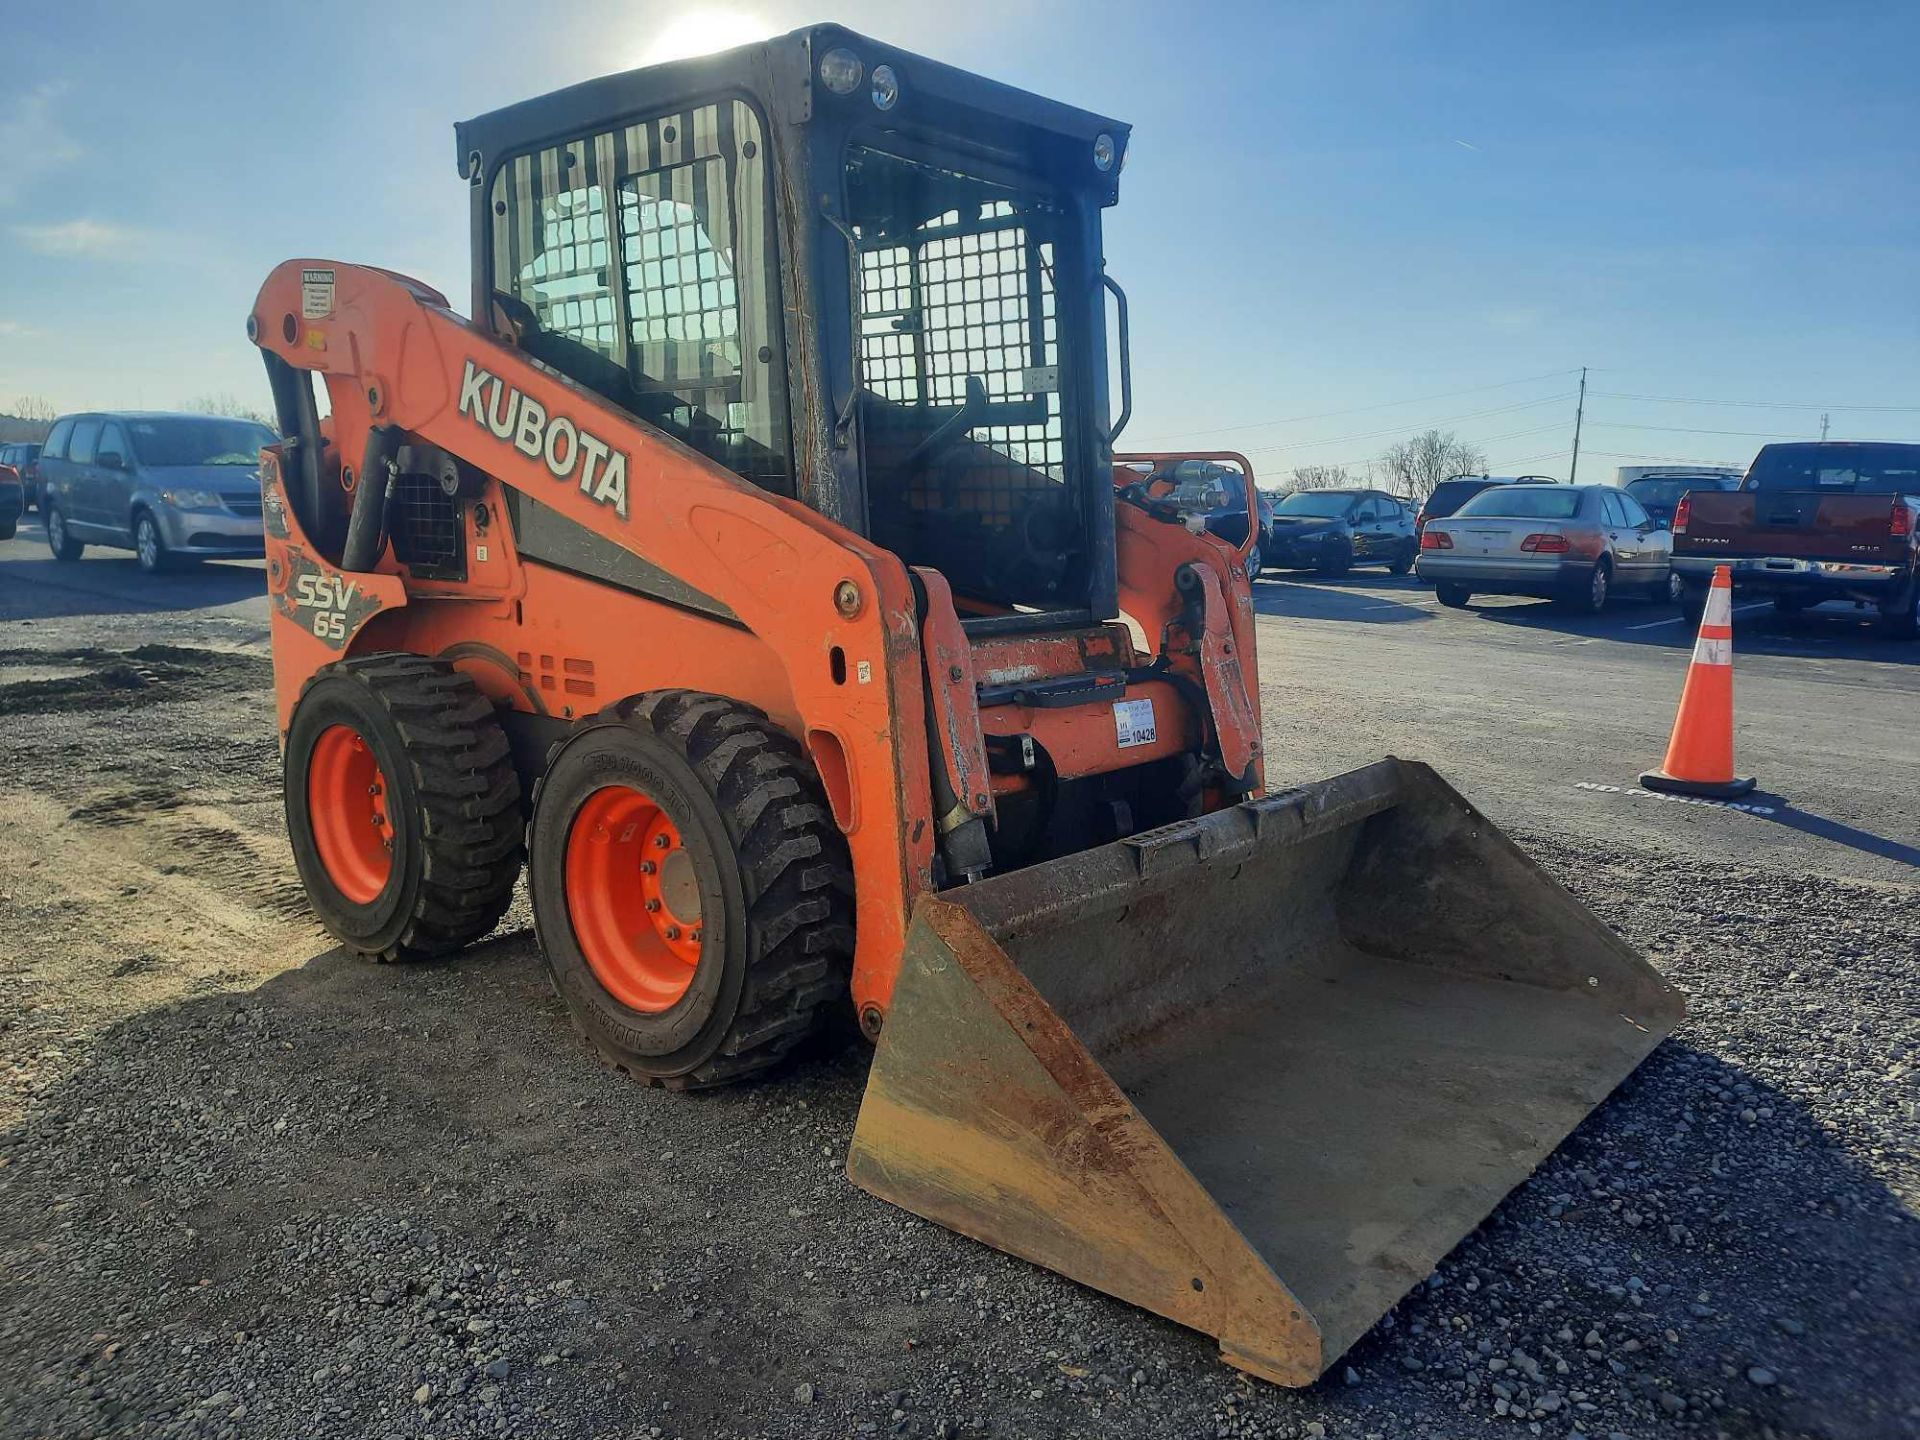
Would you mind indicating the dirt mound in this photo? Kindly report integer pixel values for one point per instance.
(97, 679)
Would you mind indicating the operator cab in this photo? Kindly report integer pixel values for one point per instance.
(850, 275)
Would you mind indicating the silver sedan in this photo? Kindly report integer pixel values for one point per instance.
(1573, 544)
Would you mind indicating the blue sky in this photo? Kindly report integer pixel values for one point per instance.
(1340, 222)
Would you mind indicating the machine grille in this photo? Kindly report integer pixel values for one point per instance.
(425, 524)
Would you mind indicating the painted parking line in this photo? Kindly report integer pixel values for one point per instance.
(1704, 802)
(1678, 619)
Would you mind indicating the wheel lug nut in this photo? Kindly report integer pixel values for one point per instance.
(662, 841)
(647, 867)
(673, 932)
(652, 906)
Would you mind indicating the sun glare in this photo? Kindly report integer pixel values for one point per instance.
(701, 32)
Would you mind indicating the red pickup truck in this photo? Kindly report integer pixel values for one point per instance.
(1826, 520)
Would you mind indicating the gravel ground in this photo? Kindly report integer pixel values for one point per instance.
(251, 1187)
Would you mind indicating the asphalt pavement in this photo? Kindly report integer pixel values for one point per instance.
(250, 1185)
(1525, 707)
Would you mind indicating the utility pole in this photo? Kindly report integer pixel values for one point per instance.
(1573, 471)
(1823, 425)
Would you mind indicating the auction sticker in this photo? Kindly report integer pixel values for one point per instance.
(316, 294)
(1133, 719)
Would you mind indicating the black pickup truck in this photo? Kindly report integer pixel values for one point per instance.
(1827, 520)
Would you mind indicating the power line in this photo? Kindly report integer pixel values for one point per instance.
(1363, 409)
(1666, 459)
(1489, 440)
(1757, 404)
(1687, 430)
(1406, 429)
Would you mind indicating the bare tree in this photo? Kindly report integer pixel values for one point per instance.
(1321, 477)
(1416, 466)
(226, 403)
(29, 419)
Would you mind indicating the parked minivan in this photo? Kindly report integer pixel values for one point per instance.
(167, 487)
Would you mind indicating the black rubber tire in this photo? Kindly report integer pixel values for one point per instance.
(1454, 597)
(154, 560)
(775, 880)
(454, 801)
(1693, 603)
(1590, 598)
(63, 545)
(8, 529)
(1403, 562)
(1900, 620)
(1340, 564)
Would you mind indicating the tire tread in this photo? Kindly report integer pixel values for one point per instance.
(472, 838)
(794, 869)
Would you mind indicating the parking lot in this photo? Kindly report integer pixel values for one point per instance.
(249, 1183)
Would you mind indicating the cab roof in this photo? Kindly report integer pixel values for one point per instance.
(782, 72)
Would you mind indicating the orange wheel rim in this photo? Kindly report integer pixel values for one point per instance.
(633, 896)
(347, 807)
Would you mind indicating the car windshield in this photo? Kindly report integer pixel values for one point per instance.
(1323, 504)
(1869, 469)
(1665, 494)
(1523, 502)
(1448, 494)
(191, 440)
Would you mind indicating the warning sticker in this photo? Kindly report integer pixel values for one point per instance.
(316, 294)
(1133, 719)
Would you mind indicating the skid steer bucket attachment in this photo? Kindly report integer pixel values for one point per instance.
(1257, 1072)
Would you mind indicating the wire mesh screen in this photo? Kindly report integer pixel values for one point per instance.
(958, 319)
(568, 279)
(956, 304)
(647, 258)
(425, 524)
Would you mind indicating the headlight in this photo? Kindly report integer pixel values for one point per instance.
(886, 87)
(841, 71)
(1103, 151)
(193, 499)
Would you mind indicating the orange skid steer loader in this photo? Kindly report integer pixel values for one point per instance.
(754, 568)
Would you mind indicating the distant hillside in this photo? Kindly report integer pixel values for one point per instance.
(18, 427)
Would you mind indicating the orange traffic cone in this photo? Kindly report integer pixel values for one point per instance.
(1700, 754)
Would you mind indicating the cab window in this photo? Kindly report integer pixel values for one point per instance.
(56, 446)
(643, 263)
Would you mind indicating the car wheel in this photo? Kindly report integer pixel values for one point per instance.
(148, 547)
(1676, 588)
(8, 529)
(1900, 617)
(1454, 597)
(1339, 562)
(1403, 562)
(1693, 602)
(63, 545)
(1254, 563)
(1590, 598)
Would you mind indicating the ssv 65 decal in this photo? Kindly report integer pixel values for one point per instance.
(567, 450)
